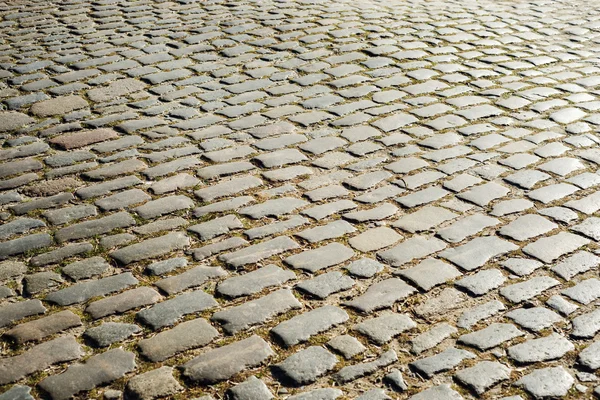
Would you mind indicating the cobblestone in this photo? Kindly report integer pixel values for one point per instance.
(420, 175)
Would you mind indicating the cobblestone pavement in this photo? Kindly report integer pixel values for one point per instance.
(299, 199)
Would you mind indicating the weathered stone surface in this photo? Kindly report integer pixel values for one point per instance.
(306, 366)
(185, 336)
(125, 301)
(543, 349)
(255, 281)
(153, 384)
(259, 162)
(11, 120)
(352, 372)
(477, 252)
(301, 327)
(257, 311)
(586, 325)
(318, 394)
(86, 268)
(257, 252)
(110, 332)
(415, 247)
(326, 284)
(483, 375)
(81, 292)
(432, 337)
(121, 87)
(440, 392)
(251, 389)
(547, 382)
(58, 106)
(166, 205)
(216, 227)
(97, 370)
(95, 227)
(346, 345)
(39, 358)
(430, 273)
(384, 328)
(61, 254)
(151, 248)
(17, 392)
(169, 311)
(227, 361)
(43, 327)
(190, 278)
(381, 295)
(24, 244)
(11, 312)
(590, 356)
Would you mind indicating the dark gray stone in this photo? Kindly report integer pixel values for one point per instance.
(254, 281)
(110, 332)
(257, 311)
(251, 389)
(384, 328)
(227, 361)
(43, 327)
(353, 372)
(169, 311)
(24, 244)
(95, 227)
(306, 366)
(153, 384)
(185, 336)
(151, 248)
(190, 278)
(81, 292)
(11, 312)
(123, 302)
(97, 370)
(38, 358)
(325, 284)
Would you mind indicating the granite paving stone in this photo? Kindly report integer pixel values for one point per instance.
(352, 372)
(306, 365)
(301, 327)
(251, 388)
(102, 368)
(212, 190)
(224, 362)
(110, 332)
(153, 384)
(39, 357)
(168, 312)
(256, 311)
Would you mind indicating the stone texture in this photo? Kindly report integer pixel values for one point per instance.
(153, 384)
(97, 370)
(176, 177)
(225, 362)
(39, 358)
(301, 327)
